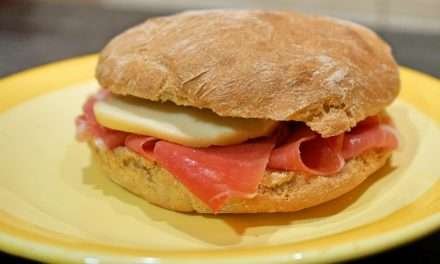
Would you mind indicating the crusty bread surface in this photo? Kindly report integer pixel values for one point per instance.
(278, 65)
(280, 191)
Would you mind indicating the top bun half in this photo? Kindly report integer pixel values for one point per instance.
(325, 72)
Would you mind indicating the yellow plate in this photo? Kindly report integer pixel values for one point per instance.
(56, 206)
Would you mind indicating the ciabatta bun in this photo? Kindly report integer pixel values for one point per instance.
(282, 65)
(280, 191)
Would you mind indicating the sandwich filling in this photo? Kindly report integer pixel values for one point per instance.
(232, 157)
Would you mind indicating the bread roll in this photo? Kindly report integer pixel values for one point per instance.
(280, 191)
(277, 65)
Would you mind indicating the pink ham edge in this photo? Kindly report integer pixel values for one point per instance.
(377, 136)
(306, 152)
(87, 127)
(217, 174)
(143, 145)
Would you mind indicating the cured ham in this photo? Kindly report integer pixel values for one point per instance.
(142, 145)
(374, 132)
(307, 152)
(215, 174)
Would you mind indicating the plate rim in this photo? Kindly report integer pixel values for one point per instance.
(48, 252)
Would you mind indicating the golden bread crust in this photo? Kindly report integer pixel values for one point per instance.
(280, 191)
(282, 65)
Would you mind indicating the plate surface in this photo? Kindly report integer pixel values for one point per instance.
(56, 205)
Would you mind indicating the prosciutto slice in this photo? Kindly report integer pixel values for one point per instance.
(372, 133)
(216, 174)
(306, 151)
(142, 145)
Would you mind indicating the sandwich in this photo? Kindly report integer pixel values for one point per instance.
(242, 111)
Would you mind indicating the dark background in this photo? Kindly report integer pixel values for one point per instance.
(34, 33)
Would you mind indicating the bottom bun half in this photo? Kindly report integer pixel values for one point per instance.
(280, 191)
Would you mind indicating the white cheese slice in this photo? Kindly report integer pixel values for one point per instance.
(179, 124)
